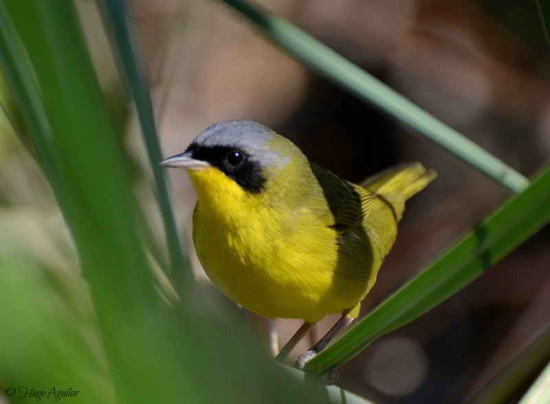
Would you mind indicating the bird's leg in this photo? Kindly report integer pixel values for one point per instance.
(292, 342)
(342, 322)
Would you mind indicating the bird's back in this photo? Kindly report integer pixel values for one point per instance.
(366, 218)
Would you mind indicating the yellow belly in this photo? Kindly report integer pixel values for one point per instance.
(274, 271)
(274, 252)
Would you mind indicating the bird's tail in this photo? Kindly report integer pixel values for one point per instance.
(399, 183)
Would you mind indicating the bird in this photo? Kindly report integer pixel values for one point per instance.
(283, 237)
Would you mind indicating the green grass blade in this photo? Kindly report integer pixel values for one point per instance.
(18, 72)
(15, 65)
(488, 243)
(123, 36)
(324, 60)
(539, 393)
(99, 198)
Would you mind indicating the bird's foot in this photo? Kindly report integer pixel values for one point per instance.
(305, 358)
(329, 378)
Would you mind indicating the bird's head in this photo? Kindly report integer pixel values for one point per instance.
(241, 159)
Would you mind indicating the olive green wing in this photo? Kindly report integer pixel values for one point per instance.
(348, 204)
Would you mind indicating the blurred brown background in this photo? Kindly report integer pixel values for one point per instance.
(480, 66)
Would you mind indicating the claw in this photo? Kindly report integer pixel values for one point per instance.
(305, 358)
(329, 378)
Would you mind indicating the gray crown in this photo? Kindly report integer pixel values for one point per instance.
(251, 137)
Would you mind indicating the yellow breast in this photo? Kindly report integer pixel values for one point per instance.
(272, 260)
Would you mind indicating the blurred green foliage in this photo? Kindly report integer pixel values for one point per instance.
(104, 324)
(151, 350)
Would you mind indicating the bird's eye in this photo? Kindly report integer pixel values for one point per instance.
(235, 158)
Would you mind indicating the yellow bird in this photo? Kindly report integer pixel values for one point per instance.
(284, 237)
